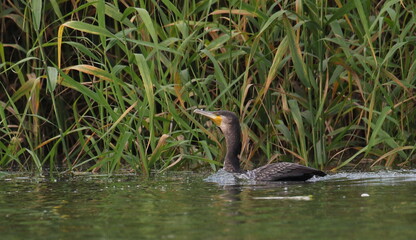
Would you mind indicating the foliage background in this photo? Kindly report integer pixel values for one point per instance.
(109, 85)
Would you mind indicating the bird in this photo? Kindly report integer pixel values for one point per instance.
(229, 124)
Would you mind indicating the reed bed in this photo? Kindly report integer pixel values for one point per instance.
(104, 86)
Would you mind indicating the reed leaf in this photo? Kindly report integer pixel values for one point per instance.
(148, 86)
(296, 54)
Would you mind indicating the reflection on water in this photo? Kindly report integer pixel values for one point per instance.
(183, 206)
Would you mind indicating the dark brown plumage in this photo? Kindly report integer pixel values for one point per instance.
(282, 171)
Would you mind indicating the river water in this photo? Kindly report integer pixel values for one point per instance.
(182, 205)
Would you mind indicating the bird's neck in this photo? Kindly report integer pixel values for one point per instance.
(233, 142)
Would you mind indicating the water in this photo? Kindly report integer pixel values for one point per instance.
(183, 206)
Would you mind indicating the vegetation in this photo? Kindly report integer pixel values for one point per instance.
(108, 85)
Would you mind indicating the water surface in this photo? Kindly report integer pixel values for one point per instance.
(183, 206)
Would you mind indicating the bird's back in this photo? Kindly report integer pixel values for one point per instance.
(284, 171)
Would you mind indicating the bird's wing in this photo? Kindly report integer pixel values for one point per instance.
(285, 171)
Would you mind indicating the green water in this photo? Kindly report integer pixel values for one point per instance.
(183, 206)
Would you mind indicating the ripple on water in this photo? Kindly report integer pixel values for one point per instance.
(222, 177)
(377, 178)
(225, 178)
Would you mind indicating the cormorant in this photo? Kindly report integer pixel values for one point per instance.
(282, 171)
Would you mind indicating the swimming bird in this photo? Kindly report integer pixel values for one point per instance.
(282, 171)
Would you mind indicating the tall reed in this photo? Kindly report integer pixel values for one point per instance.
(104, 86)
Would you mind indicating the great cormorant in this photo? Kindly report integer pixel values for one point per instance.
(282, 171)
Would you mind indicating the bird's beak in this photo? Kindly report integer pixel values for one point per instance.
(217, 119)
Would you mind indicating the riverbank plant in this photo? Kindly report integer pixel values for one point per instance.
(107, 85)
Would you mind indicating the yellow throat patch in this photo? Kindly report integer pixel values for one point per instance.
(217, 120)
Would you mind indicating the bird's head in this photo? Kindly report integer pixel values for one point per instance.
(230, 127)
(225, 120)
